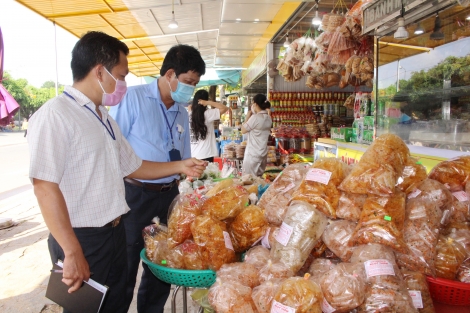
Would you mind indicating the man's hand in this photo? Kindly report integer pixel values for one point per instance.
(193, 167)
(76, 270)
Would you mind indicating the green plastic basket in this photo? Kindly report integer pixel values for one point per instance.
(186, 278)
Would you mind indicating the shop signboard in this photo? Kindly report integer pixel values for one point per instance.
(255, 69)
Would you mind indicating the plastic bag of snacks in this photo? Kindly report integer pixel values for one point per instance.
(344, 286)
(257, 256)
(320, 266)
(270, 236)
(350, 206)
(462, 236)
(199, 296)
(263, 295)
(213, 240)
(247, 228)
(463, 274)
(449, 258)
(300, 231)
(419, 291)
(167, 257)
(191, 256)
(219, 187)
(460, 210)
(421, 232)
(183, 210)
(276, 199)
(413, 174)
(231, 297)
(300, 294)
(274, 270)
(434, 191)
(227, 203)
(336, 237)
(319, 186)
(317, 251)
(453, 173)
(244, 273)
(153, 235)
(381, 221)
(386, 290)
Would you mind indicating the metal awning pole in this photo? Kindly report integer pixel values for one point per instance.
(56, 70)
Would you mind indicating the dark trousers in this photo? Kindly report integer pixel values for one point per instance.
(105, 251)
(145, 205)
(25, 133)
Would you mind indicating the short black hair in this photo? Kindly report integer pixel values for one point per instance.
(261, 101)
(182, 59)
(95, 48)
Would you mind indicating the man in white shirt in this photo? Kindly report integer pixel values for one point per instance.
(78, 160)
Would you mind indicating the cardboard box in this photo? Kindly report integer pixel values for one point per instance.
(343, 134)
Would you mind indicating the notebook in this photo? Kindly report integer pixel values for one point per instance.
(87, 299)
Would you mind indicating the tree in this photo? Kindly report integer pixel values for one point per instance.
(50, 84)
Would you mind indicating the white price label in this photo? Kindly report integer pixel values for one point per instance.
(281, 308)
(288, 187)
(318, 175)
(378, 267)
(283, 236)
(326, 307)
(417, 299)
(265, 240)
(462, 196)
(414, 194)
(228, 241)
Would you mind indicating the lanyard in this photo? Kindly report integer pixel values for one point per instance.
(168, 124)
(110, 132)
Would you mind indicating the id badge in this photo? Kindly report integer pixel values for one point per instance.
(175, 155)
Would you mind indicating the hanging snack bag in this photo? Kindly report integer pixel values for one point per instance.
(298, 234)
(227, 203)
(298, 295)
(213, 240)
(413, 174)
(336, 237)
(450, 256)
(319, 188)
(350, 206)
(244, 273)
(230, 297)
(257, 256)
(263, 295)
(274, 270)
(419, 291)
(454, 173)
(247, 228)
(183, 210)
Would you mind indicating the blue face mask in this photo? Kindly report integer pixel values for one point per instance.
(183, 92)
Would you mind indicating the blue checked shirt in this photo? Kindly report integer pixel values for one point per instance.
(140, 117)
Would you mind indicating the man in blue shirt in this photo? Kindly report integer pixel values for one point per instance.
(153, 119)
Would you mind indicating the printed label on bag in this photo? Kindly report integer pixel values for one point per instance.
(414, 194)
(462, 196)
(326, 307)
(288, 187)
(284, 234)
(228, 241)
(318, 175)
(265, 240)
(378, 267)
(281, 308)
(417, 299)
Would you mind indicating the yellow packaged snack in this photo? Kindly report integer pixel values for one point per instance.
(227, 203)
(247, 228)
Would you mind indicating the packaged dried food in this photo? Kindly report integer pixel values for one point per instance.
(449, 258)
(241, 272)
(336, 237)
(350, 206)
(462, 236)
(317, 251)
(219, 186)
(227, 203)
(263, 295)
(301, 294)
(271, 235)
(319, 267)
(381, 221)
(463, 274)
(274, 270)
(418, 290)
(191, 256)
(421, 232)
(276, 198)
(434, 191)
(344, 286)
(167, 257)
(298, 234)
(183, 210)
(247, 228)
(153, 235)
(213, 240)
(199, 296)
(413, 174)
(257, 256)
(459, 209)
(372, 251)
(231, 297)
(453, 173)
(319, 186)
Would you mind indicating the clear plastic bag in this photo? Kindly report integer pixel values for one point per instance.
(300, 231)
(191, 256)
(274, 270)
(213, 240)
(336, 237)
(153, 235)
(450, 256)
(344, 286)
(453, 173)
(247, 228)
(459, 210)
(231, 297)
(421, 232)
(463, 274)
(199, 296)
(263, 295)
(227, 203)
(419, 291)
(167, 257)
(319, 267)
(276, 198)
(382, 220)
(303, 295)
(183, 210)
(413, 174)
(319, 187)
(350, 206)
(273, 231)
(219, 187)
(462, 236)
(241, 272)
(257, 256)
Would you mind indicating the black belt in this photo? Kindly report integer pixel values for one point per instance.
(152, 186)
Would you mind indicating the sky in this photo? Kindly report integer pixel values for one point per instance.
(29, 47)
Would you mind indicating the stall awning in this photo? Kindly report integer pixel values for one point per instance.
(214, 77)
